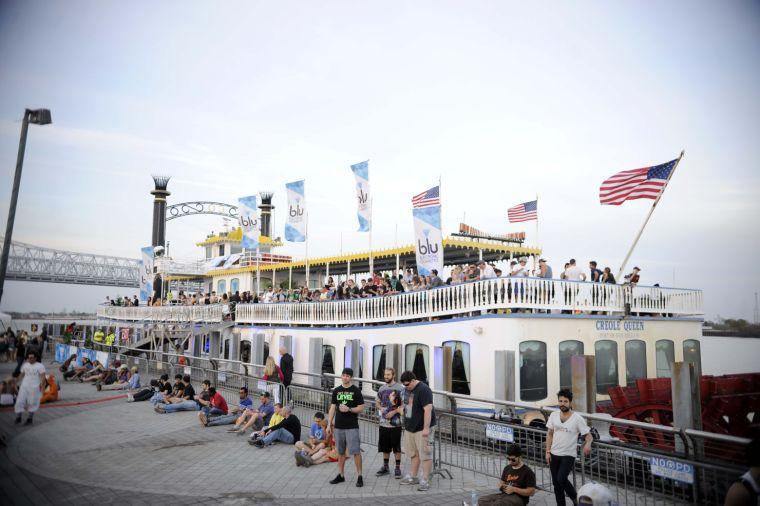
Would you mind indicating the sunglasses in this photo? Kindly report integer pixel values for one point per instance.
(512, 459)
(406, 384)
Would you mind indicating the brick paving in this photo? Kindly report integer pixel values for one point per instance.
(106, 450)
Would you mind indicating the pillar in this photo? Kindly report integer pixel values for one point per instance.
(274, 279)
(687, 400)
(287, 342)
(504, 375)
(348, 269)
(290, 278)
(583, 370)
(315, 360)
(327, 273)
(214, 345)
(393, 354)
(257, 349)
(159, 209)
(398, 264)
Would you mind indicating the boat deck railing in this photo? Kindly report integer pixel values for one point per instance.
(495, 295)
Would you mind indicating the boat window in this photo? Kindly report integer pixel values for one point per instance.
(692, 354)
(378, 364)
(221, 287)
(266, 351)
(635, 361)
(567, 350)
(221, 250)
(234, 285)
(460, 366)
(533, 383)
(245, 351)
(328, 359)
(416, 360)
(226, 349)
(606, 365)
(208, 252)
(666, 355)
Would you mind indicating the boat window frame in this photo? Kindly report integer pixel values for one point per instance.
(541, 388)
(659, 371)
(409, 365)
(628, 381)
(569, 365)
(466, 358)
(615, 375)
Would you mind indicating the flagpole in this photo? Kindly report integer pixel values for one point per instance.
(649, 215)
(537, 242)
(371, 257)
(306, 245)
(258, 271)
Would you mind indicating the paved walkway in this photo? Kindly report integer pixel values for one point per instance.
(93, 446)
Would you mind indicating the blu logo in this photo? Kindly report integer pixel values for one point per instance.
(297, 211)
(427, 248)
(248, 221)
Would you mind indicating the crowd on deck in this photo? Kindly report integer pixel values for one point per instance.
(379, 285)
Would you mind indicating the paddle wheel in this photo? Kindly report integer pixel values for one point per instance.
(730, 405)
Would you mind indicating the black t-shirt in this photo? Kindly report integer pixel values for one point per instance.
(414, 415)
(189, 392)
(166, 387)
(519, 478)
(351, 397)
(178, 388)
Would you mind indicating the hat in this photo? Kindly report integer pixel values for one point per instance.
(636, 269)
(481, 262)
(123, 366)
(523, 259)
(542, 260)
(595, 494)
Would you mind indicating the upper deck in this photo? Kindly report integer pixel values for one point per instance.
(530, 294)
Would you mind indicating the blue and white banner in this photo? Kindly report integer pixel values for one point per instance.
(146, 273)
(295, 228)
(364, 210)
(428, 239)
(249, 222)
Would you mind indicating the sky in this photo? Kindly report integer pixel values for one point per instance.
(501, 101)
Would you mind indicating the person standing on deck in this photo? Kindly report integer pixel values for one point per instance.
(30, 391)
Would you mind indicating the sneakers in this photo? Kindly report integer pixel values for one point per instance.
(29, 421)
(130, 397)
(159, 409)
(99, 386)
(360, 481)
(424, 486)
(203, 419)
(234, 428)
(383, 471)
(300, 459)
(397, 473)
(17, 420)
(410, 481)
(307, 462)
(337, 479)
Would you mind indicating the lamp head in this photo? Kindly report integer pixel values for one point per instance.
(39, 116)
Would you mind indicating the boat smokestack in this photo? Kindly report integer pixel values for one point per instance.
(266, 213)
(159, 209)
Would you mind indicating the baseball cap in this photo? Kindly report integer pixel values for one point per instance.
(595, 494)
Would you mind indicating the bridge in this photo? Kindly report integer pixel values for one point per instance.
(27, 262)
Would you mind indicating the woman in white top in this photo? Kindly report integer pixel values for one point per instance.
(562, 445)
(32, 384)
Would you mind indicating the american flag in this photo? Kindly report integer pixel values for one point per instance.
(523, 212)
(646, 183)
(427, 198)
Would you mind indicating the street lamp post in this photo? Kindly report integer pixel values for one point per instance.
(36, 117)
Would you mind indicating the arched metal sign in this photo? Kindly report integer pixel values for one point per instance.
(201, 207)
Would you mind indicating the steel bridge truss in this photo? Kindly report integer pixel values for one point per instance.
(201, 207)
(34, 263)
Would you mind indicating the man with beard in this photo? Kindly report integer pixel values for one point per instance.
(562, 445)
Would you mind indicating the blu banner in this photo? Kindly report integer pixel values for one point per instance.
(428, 239)
(295, 228)
(249, 222)
(364, 209)
(146, 273)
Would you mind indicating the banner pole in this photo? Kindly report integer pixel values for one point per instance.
(537, 241)
(258, 272)
(649, 215)
(371, 256)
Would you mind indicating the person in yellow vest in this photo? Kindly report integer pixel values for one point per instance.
(98, 336)
(110, 339)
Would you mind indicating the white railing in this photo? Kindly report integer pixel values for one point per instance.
(166, 265)
(492, 294)
(205, 313)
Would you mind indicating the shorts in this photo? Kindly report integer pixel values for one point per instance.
(389, 440)
(416, 444)
(348, 438)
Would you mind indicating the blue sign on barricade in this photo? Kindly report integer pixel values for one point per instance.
(500, 432)
(673, 469)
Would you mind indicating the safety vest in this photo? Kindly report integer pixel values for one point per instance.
(110, 338)
(98, 336)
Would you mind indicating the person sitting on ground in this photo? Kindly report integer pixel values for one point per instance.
(78, 370)
(235, 412)
(165, 390)
(121, 383)
(517, 483)
(51, 393)
(288, 430)
(144, 394)
(68, 365)
(317, 434)
(97, 373)
(256, 418)
(178, 387)
(215, 406)
(186, 402)
(273, 420)
(328, 453)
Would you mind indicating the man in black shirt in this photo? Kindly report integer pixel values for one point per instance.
(517, 483)
(286, 366)
(288, 430)
(343, 420)
(186, 402)
(419, 418)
